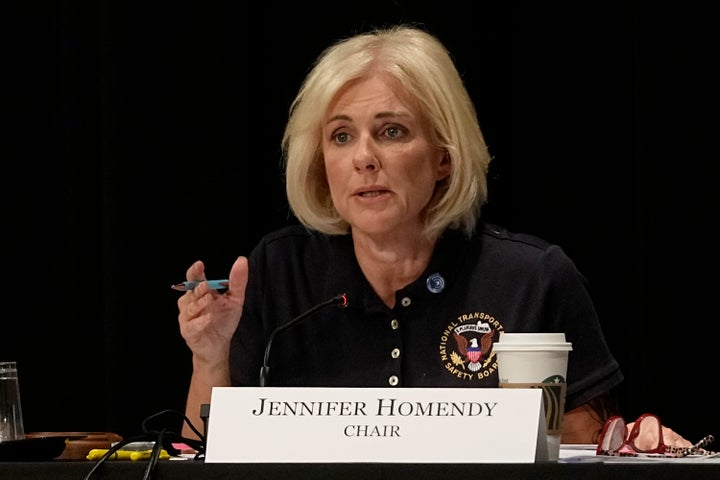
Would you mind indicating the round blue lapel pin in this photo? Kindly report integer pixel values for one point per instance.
(435, 283)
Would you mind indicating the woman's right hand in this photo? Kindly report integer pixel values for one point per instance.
(208, 318)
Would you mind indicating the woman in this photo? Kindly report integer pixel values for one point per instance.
(386, 172)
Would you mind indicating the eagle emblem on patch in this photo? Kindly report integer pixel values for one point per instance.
(466, 347)
(474, 349)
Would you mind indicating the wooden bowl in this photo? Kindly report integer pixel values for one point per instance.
(79, 444)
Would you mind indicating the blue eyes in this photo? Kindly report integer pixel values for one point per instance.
(393, 132)
(389, 133)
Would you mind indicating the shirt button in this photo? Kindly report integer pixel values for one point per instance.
(393, 380)
(405, 302)
(395, 353)
(394, 324)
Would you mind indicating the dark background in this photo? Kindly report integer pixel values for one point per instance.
(145, 135)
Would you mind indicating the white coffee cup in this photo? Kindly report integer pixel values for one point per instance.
(537, 360)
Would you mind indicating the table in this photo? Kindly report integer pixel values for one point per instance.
(199, 470)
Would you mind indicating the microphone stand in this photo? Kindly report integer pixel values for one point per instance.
(339, 300)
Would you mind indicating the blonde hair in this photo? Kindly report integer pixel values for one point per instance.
(424, 67)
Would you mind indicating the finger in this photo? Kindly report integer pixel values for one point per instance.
(196, 271)
(193, 302)
(676, 439)
(238, 277)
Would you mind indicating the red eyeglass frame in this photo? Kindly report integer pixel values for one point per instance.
(616, 426)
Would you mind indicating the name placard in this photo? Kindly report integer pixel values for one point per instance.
(406, 425)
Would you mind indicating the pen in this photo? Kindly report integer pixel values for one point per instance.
(189, 285)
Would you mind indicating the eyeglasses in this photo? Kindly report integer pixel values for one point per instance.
(645, 439)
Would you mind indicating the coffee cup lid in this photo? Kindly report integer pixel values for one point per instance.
(532, 342)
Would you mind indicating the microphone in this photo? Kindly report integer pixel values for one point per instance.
(339, 300)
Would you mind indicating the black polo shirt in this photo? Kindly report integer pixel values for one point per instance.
(472, 289)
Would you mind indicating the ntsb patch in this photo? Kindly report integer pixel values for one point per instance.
(466, 347)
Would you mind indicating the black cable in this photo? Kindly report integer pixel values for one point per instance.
(155, 456)
(163, 440)
(172, 437)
